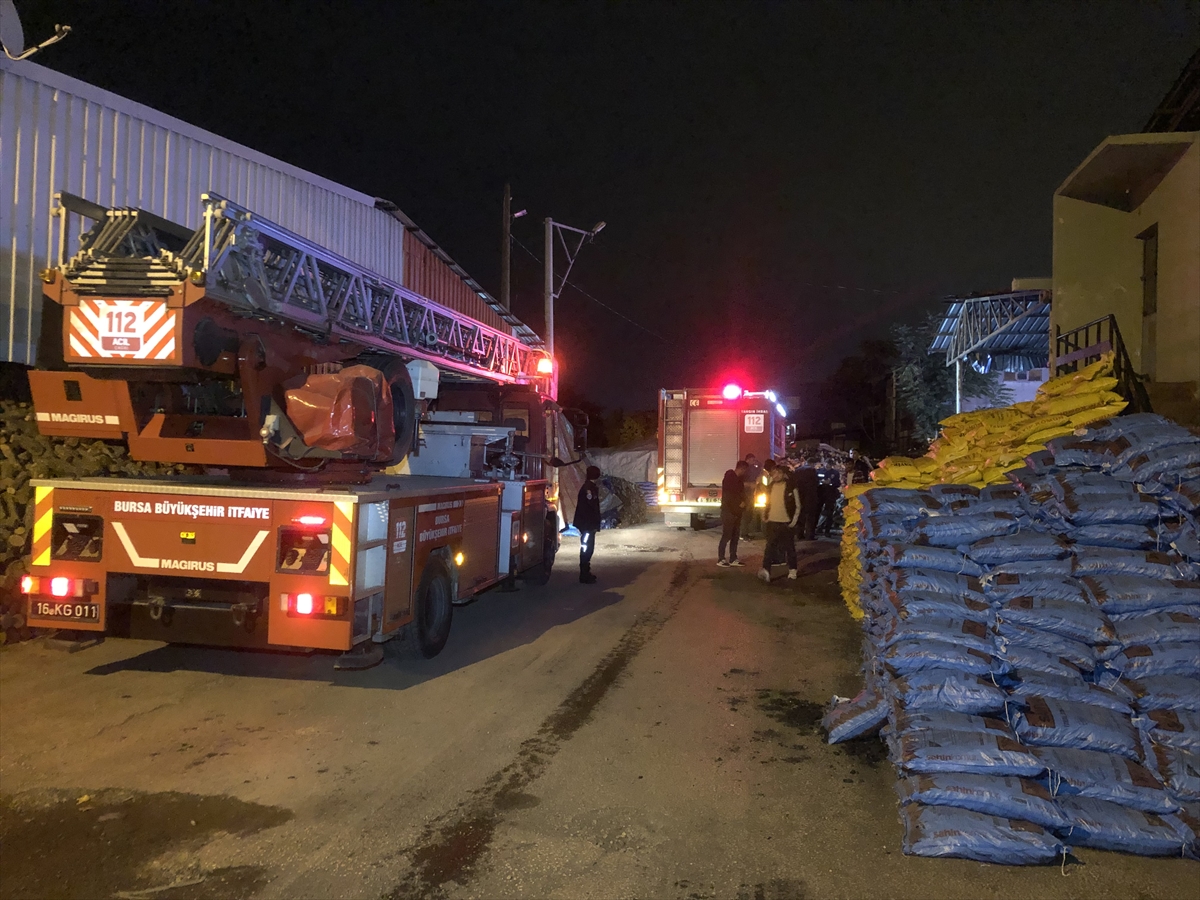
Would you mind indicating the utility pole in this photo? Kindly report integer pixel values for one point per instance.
(506, 250)
(548, 287)
(548, 290)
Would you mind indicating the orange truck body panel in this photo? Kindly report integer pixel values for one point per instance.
(357, 552)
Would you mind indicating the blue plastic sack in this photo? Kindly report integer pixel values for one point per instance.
(1047, 568)
(993, 795)
(1156, 628)
(1187, 544)
(936, 582)
(1114, 507)
(996, 493)
(948, 831)
(890, 527)
(929, 751)
(1039, 462)
(1149, 464)
(1002, 588)
(1168, 658)
(960, 530)
(907, 656)
(1072, 450)
(1179, 770)
(1025, 684)
(920, 604)
(1118, 594)
(949, 493)
(903, 720)
(1108, 826)
(1165, 692)
(902, 498)
(1174, 728)
(943, 559)
(1138, 429)
(1077, 653)
(1105, 776)
(1143, 563)
(1120, 536)
(963, 631)
(1022, 546)
(1069, 618)
(948, 690)
(1080, 483)
(1028, 659)
(849, 718)
(1050, 722)
(1181, 494)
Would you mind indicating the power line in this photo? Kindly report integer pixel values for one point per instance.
(596, 300)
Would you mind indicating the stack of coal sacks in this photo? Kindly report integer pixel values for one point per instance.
(1034, 650)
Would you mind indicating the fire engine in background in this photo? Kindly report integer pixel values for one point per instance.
(369, 458)
(702, 433)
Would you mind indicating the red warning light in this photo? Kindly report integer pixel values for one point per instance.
(28, 584)
(60, 586)
(304, 604)
(310, 520)
(731, 392)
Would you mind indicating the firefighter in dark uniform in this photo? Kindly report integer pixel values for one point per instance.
(587, 520)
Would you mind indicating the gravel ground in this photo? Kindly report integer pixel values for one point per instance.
(654, 735)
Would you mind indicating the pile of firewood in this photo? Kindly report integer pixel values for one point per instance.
(24, 455)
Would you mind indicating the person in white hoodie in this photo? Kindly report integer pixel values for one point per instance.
(780, 517)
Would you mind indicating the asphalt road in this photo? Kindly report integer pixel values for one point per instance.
(654, 735)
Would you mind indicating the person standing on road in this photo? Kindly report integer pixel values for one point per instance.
(733, 503)
(780, 517)
(751, 481)
(828, 489)
(587, 520)
(810, 500)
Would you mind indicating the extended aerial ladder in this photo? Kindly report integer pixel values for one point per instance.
(185, 343)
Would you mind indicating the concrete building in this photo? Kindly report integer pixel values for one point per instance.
(1127, 245)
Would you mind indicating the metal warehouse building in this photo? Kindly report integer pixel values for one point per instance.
(61, 134)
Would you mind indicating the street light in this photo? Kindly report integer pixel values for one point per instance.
(549, 291)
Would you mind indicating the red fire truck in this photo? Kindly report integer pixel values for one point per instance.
(361, 458)
(704, 431)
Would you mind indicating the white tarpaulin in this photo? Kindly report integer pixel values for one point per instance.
(633, 462)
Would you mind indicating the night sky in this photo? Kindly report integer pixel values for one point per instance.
(780, 181)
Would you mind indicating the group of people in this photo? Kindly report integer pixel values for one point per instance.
(800, 501)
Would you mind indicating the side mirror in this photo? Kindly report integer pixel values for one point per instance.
(579, 424)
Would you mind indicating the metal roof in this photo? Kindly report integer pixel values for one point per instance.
(1007, 332)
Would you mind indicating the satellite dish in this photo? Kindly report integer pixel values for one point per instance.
(12, 35)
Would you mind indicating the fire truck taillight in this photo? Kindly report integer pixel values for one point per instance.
(310, 606)
(760, 501)
(59, 586)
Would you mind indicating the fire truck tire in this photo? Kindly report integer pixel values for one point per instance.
(404, 408)
(540, 574)
(433, 610)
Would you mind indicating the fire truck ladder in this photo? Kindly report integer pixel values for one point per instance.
(261, 269)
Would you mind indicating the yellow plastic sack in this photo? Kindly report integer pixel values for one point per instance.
(1096, 413)
(1050, 434)
(1066, 383)
(1067, 404)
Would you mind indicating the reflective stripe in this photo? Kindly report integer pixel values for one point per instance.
(343, 524)
(43, 521)
(240, 566)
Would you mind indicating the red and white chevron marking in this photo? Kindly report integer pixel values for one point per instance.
(122, 329)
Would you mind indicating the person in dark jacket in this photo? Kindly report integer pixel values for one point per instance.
(587, 520)
(733, 504)
(752, 479)
(806, 483)
(828, 490)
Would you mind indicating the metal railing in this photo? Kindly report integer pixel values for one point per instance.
(1086, 344)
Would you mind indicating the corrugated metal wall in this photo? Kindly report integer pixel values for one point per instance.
(430, 277)
(61, 134)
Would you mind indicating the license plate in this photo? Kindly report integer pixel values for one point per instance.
(65, 609)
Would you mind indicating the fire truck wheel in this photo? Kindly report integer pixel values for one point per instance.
(540, 574)
(404, 408)
(433, 610)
